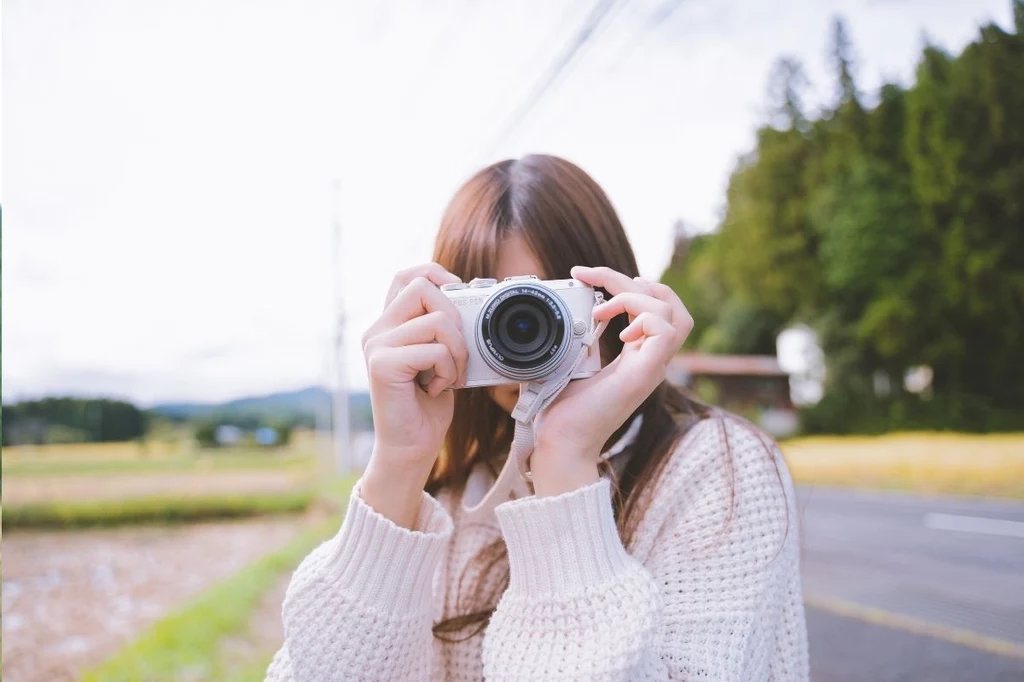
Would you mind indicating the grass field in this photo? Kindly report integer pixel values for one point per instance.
(68, 486)
(228, 460)
(64, 486)
(82, 458)
(191, 643)
(990, 465)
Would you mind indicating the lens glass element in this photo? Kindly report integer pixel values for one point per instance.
(523, 328)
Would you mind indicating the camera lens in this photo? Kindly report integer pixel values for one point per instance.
(523, 331)
(522, 328)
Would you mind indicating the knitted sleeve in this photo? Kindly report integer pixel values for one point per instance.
(358, 607)
(713, 592)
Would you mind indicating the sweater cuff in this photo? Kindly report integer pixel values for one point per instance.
(387, 566)
(562, 544)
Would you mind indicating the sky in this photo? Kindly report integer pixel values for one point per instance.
(172, 171)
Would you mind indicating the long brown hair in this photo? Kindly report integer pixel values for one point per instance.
(566, 220)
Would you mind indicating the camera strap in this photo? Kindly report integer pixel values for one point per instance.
(534, 398)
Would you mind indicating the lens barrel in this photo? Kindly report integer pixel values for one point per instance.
(523, 331)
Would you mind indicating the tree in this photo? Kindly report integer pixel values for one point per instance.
(787, 86)
(895, 232)
(843, 63)
(694, 273)
(965, 150)
(92, 420)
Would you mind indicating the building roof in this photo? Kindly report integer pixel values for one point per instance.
(710, 364)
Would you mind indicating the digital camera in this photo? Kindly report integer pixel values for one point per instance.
(522, 329)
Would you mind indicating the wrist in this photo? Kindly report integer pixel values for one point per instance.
(393, 487)
(562, 469)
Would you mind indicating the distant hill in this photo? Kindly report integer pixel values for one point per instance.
(305, 405)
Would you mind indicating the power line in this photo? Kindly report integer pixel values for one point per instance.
(662, 14)
(582, 37)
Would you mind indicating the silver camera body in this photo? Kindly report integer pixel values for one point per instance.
(523, 329)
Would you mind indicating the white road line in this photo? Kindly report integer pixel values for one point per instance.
(974, 524)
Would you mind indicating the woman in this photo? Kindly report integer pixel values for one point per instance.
(660, 538)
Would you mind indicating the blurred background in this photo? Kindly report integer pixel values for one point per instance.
(204, 203)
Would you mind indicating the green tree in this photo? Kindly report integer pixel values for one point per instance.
(94, 420)
(694, 274)
(841, 56)
(894, 230)
(965, 149)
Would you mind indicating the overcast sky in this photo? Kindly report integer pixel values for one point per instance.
(167, 166)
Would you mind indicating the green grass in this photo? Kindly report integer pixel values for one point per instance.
(185, 644)
(217, 461)
(255, 671)
(155, 509)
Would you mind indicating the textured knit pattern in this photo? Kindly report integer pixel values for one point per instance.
(709, 588)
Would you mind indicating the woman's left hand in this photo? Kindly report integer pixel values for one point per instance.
(574, 428)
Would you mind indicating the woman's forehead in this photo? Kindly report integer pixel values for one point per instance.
(515, 257)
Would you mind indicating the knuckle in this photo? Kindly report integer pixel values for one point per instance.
(369, 339)
(403, 277)
(374, 364)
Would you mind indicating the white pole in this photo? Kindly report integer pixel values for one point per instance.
(342, 439)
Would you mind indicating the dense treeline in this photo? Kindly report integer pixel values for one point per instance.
(72, 420)
(892, 225)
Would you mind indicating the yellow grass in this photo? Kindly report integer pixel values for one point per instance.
(964, 464)
(95, 451)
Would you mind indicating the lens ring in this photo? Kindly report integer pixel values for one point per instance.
(522, 329)
(545, 334)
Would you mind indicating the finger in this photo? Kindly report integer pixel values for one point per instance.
(647, 325)
(634, 304)
(606, 278)
(435, 326)
(418, 297)
(681, 317)
(432, 272)
(402, 364)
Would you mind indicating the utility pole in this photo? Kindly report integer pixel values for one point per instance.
(342, 438)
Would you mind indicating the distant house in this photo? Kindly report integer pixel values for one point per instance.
(751, 385)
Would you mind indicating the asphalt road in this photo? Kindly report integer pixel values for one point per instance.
(910, 588)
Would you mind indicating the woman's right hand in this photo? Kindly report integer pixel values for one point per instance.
(419, 331)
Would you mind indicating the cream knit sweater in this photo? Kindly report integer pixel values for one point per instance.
(709, 588)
